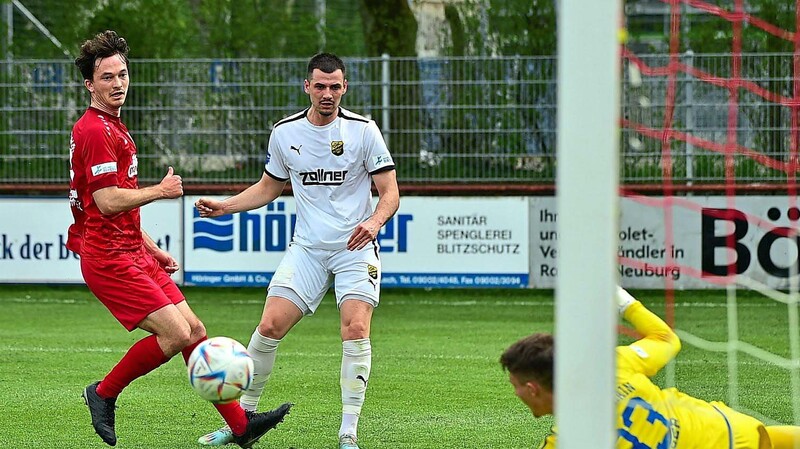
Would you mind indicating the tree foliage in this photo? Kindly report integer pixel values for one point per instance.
(510, 27)
(283, 29)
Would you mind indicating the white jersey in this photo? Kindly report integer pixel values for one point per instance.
(329, 168)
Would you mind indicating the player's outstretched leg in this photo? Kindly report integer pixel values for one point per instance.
(102, 411)
(259, 423)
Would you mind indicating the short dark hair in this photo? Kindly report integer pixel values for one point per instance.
(102, 45)
(531, 359)
(327, 62)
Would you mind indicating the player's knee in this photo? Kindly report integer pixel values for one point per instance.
(271, 328)
(177, 339)
(198, 331)
(355, 330)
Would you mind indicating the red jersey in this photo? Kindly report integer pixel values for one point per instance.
(101, 154)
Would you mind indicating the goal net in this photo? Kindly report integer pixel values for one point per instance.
(721, 129)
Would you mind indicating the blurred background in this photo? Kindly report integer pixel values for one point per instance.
(463, 90)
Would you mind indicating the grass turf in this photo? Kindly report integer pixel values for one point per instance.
(436, 382)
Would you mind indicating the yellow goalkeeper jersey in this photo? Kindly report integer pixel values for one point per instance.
(649, 417)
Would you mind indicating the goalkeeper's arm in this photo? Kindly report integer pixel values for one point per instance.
(659, 345)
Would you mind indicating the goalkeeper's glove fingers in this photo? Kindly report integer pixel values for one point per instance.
(624, 299)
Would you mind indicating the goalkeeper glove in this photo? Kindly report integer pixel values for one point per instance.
(624, 299)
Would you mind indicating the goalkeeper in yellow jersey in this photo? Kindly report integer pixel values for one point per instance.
(648, 417)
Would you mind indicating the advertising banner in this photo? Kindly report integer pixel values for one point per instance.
(33, 237)
(682, 242)
(686, 243)
(430, 242)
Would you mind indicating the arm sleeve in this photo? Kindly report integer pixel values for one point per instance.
(275, 166)
(659, 345)
(378, 158)
(99, 150)
(550, 441)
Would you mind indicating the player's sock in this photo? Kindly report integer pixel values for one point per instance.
(263, 350)
(784, 437)
(349, 425)
(144, 356)
(356, 366)
(234, 416)
(187, 351)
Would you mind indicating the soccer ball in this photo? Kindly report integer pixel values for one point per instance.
(220, 370)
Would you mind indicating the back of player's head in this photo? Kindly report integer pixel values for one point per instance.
(326, 62)
(102, 45)
(531, 359)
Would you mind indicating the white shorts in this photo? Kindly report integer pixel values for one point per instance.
(305, 275)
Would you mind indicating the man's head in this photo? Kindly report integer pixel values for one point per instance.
(529, 363)
(103, 62)
(325, 84)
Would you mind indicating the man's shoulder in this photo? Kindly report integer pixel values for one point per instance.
(91, 122)
(352, 116)
(291, 119)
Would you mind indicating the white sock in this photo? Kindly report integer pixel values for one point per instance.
(349, 425)
(263, 350)
(356, 366)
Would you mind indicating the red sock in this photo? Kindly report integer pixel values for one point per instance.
(232, 413)
(187, 351)
(144, 356)
(234, 416)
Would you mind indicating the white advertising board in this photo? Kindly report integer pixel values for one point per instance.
(33, 236)
(441, 242)
(430, 242)
(699, 229)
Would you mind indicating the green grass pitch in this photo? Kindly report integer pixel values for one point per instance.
(436, 382)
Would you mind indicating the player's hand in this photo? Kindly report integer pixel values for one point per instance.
(209, 208)
(172, 184)
(363, 234)
(624, 299)
(167, 262)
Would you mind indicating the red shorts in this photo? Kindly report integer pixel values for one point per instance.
(131, 285)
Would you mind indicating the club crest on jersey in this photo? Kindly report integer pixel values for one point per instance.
(337, 147)
(372, 271)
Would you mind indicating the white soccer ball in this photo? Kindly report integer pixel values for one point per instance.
(220, 370)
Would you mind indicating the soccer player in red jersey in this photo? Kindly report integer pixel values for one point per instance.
(120, 263)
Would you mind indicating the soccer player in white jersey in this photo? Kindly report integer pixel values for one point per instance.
(331, 156)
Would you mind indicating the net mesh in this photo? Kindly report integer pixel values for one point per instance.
(666, 129)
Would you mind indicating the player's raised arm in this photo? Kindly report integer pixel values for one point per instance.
(111, 200)
(659, 345)
(257, 195)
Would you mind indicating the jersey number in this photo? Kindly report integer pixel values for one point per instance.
(651, 418)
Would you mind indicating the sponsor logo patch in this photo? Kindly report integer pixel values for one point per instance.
(320, 177)
(382, 159)
(133, 170)
(107, 167)
(640, 352)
